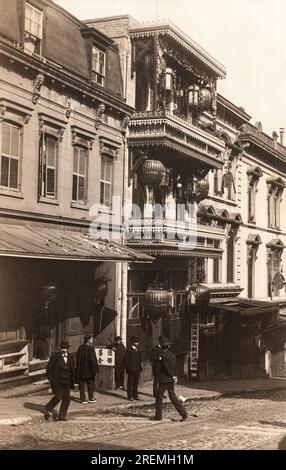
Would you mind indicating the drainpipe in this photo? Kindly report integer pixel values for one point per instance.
(124, 266)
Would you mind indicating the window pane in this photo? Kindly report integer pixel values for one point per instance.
(51, 152)
(103, 160)
(50, 182)
(108, 170)
(4, 171)
(6, 138)
(74, 188)
(82, 158)
(14, 141)
(81, 188)
(75, 160)
(101, 63)
(13, 173)
(107, 195)
(101, 193)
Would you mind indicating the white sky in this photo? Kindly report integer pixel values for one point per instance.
(247, 36)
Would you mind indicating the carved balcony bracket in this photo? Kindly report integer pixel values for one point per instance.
(37, 85)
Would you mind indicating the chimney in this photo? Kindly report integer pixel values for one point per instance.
(282, 131)
(275, 138)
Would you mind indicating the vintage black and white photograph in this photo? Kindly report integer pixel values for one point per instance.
(142, 227)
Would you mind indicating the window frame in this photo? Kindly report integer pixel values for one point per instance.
(29, 33)
(106, 182)
(44, 193)
(19, 128)
(96, 74)
(78, 175)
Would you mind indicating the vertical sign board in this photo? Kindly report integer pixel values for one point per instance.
(195, 326)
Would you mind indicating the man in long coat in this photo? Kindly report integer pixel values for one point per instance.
(133, 368)
(167, 381)
(156, 356)
(86, 369)
(120, 351)
(60, 372)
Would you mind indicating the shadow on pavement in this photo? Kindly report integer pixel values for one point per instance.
(35, 407)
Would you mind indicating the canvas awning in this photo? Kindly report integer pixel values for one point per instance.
(245, 307)
(59, 244)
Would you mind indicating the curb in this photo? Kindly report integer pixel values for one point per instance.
(144, 404)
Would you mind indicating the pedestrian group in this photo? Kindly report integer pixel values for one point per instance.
(63, 374)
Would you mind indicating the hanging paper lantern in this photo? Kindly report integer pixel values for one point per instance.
(156, 302)
(152, 172)
(205, 99)
(198, 296)
(202, 189)
(101, 289)
(49, 292)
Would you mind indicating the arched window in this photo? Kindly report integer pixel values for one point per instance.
(275, 190)
(253, 173)
(253, 243)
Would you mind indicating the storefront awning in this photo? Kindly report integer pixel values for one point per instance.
(60, 244)
(245, 307)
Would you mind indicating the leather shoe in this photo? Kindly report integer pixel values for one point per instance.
(63, 419)
(47, 415)
(155, 419)
(183, 418)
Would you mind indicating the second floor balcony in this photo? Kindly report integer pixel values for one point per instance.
(162, 130)
(172, 237)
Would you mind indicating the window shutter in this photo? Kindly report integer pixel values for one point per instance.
(6, 138)
(14, 164)
(4, 171)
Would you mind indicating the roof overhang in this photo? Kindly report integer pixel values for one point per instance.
(183, 40)
(34, 242)
(246, 307)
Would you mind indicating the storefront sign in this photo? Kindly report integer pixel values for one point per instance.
(105, 357)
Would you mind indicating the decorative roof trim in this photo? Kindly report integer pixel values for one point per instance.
(183, 40)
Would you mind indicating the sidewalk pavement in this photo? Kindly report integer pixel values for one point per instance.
(23, 404)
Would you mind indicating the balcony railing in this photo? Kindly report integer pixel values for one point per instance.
(170, 231)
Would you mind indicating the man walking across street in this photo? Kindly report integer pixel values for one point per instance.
(133, 368)
(156, 356)
(60, 372)
(167, 380)
(86, 369)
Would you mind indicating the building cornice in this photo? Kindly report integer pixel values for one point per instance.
(63, 76)
(189, 44)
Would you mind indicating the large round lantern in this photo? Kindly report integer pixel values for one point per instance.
(49, 292)
(198, 296)
(205, 99)
(152, 172)
(101, 289)
(156, 302)
(202, 190)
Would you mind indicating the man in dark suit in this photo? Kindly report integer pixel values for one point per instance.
(120, 351)
(86, 368)
(167, 380)
(156, 356)
(60, 372)
(133, 368)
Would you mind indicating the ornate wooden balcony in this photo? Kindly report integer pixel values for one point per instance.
(170, 237)
(162, 129)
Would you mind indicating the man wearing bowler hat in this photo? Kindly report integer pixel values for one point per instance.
(167, 381)
(120, 352)
(60, 372)
(86, 369)
(133, 368)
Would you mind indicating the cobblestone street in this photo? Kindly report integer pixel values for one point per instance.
(253, 421)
